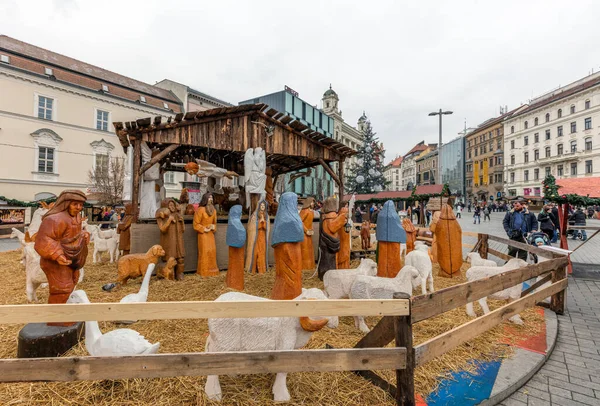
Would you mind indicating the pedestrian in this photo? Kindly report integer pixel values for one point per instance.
(114, 217)
(477, 215)
(486, 213)
(358, 215)
(469, 207)
(516, 227)
(374, 214)
(546, 223)
(579, 218)
(459, 211)
(428, 216)
(532, 223)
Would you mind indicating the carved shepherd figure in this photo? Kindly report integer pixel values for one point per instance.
(258, 233)
(390, 235)
(432, 226)
(343, 255)
(329, 243)
(286, 240)
(205, 224)
(236, 240)
(124, 230)
(307, 215)
(448, 241)
(411, 234)
(171, 225)
(365, 235)
(62, 245)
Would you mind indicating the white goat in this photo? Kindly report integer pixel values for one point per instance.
(95, 230)
(373, 287)
(36, 221)
(475, 259)
(513, 293)
(21, 237)
(34, 276)
(101, 245)
(419, 258)
(339, 281)
(261, 334)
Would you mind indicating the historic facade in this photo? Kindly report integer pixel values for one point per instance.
(427, 168)
(392, 174)
(408, 167)
(56, 116)
(556, 133)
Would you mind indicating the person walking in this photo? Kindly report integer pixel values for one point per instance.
(477, 215)
(459, 211)
(554, 213)
(469, 207)
(486, 213)
(546, 223)
(516, 227)
(579, 217)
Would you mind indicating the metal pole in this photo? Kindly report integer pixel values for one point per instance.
(439, 181)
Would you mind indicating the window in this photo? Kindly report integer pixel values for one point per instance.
(526, 157)
(526, 140)
(48, 71)
(500, 159)
(485, 149)
(574, 146)
(512, 129)
(536, 174)
(512, 192)
(572, 109)
(105, 88)
(536, 154)
(143, 99)
(588, 123)
(499, 143)
(587, 104)
(491, 161)
(547, 117)
(536, 191)
(480, 164)
(536, 137)
(559, 149)
(5, 59)
(574, 168)
(101, 120)
(481, 180)
(45, 107)
(559, 131)
(588, 144)
(46, 160)
(526, 175)
(559, 170)
(469, 155)
(548, 170)
(535, 121)
(512, 159)
(548, 152)
(512, 177)
(547, 134)
(491, 146)
(559, 113)
(573, 127)
(491, 179)
(526, 125)
(101, 164)
(588, 166)
(512, 144)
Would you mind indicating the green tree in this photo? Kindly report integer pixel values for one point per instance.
(366, 175)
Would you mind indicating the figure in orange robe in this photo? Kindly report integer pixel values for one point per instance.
(329, 242)
(286, 240)
(258, 231)
(62, 246)
(236, 239)
(390, 235)
(448, 237)
(432, 226)
(307, 215)
(205, 224)
(343, 255)
(411, 234)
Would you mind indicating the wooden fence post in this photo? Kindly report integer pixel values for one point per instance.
(483, 246)
(557, 301)
(405, 378)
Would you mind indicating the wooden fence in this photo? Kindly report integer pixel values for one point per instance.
(399, 315)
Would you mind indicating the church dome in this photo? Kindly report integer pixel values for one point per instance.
(330, 92)
(363, 117)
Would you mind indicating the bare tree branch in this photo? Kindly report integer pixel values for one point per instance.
(106, 181)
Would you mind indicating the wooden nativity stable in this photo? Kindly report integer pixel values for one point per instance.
(222, 136)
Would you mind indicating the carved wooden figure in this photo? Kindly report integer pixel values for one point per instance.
(390, 235)
(258, 233)
(62, 246)
(329, 242)
(170, 223)
(411, 234)
(448, 239)
(205, 224)
(343, 255)
(236, 240)
(286, 240)
(124, 230)
(365, 235)
(432, 226)
(307, 215)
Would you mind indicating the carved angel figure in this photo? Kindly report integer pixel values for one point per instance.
(255, 164)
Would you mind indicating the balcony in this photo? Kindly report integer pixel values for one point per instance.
(498, 169)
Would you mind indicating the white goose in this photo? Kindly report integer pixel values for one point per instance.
(142, 295)
(123, 341)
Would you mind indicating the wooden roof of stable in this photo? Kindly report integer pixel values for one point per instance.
(397, 194)
(223, 135)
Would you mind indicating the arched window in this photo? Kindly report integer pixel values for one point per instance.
(548, 152)
(574, 146)
(572, 109)
(535, 121)
(512, 129)
(547, 117)
(588, 144)
(559, 113)
(526, 125)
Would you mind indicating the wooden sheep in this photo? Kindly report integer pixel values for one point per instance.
(419, 258)
(339, 281)
(475, 259)
(134, 265)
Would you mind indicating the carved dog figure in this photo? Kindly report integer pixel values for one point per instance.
(134, 265)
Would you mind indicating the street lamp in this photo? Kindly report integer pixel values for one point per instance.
(440, 113)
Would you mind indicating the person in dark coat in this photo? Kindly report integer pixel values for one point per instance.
(579, 217)
(546, 223)
(531, 219)
(517, 226)
(556, 221)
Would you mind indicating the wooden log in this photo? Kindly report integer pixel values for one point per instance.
(405, 377)
(557, 301)
(158, 157)
(330, 171)
(135, 188)
(433, 304)
(526, 247)
(443, 343)
(483, 247)
(470, 234)
(499, 254)
(536, 285)
(341, 178)
(199, 364)
(199, 310)
(379, 336)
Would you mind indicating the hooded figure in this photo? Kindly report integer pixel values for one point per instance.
(448, 241)
(171, 226)
(62, 246)
(389, 236)
(343, 255)
(286, 240)
(236, 240)
(205, 224)
(307, 214)
(411, 233)
(329, 242)
(258, 233)
(124, 230)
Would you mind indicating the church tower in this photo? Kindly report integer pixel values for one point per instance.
(330, 103)
(362, 123)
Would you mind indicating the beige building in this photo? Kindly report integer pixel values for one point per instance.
(392, 174)
(427, 168)
(408, 167)
(56, 116)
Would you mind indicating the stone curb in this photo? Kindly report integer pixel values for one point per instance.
(516, 371)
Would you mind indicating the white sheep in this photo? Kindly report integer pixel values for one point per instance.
(110, 245)
(513, 293)
(21, 237)
(36, 221)
(339, 281)
(373, 287)
(419, 258)
(475, 259)
(261, 334)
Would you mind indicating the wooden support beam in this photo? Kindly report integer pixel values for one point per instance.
(433, 304)
(135, 187)
(199, 364)
(557, 302)
(499, 254)
(405, 377)
(526, 247)
(158, 157)
(330, 171)
(536, 285)
(341, 178)
(379, 336)
(443, 343)
(483, 247)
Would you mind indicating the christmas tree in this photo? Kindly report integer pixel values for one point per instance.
(366, 175)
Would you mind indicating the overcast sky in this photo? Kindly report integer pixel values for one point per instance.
(398, 61)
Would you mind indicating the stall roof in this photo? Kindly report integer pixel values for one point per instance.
(399, 194)
(588, 186)
(223, 135)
